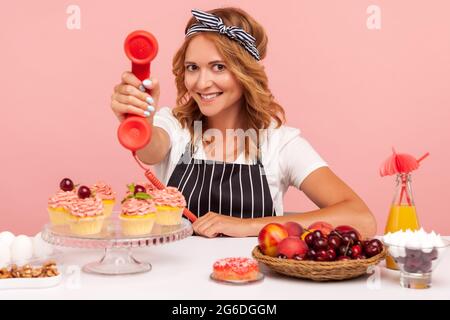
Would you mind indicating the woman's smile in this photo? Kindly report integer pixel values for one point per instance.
(209, 98)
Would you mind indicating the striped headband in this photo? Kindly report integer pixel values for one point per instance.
(210, 22)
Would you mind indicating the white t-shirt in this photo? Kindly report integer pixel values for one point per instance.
(287, 157)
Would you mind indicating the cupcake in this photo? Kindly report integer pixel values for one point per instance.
(107, 195)
(170, 204)
(86, 213)
(58, 203)
(138, 212)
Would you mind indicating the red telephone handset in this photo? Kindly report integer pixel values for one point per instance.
(141, 48)
(135, 132)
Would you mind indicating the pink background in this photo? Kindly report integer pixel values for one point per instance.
(353, 92)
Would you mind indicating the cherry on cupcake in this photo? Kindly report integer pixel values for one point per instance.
(66, 184)
(139, 189)
(84, 192)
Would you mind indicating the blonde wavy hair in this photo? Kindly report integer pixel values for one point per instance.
(258, 102)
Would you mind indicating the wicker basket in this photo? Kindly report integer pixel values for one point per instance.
(319, 271)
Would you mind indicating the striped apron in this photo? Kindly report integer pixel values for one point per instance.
(237, 190)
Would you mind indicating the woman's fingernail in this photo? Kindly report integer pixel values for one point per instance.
(151, 108)
(142, 88)
(147, 83)
(146, 113)
(150, 100)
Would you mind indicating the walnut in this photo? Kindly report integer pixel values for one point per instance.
(15, 273)
(5, 273)
(49, 263)
(49, 269)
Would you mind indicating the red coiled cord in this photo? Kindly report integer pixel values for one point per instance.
(159, 185)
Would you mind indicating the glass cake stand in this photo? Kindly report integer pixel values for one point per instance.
(118, 257)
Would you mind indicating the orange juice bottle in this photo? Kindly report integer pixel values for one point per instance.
(402, 215)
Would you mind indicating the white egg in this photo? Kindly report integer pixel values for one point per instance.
(21, 250)
(41, 249)
(5, 255)
(7, 237)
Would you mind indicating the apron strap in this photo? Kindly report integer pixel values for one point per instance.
(190, 150)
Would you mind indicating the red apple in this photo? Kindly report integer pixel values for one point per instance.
(270, 236)
(294, 229)
(344, 229)
(323, 226)
(292, 247)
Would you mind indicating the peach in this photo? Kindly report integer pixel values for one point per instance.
(270, 236)
(294, 229)
(323, 226)
(292, 247)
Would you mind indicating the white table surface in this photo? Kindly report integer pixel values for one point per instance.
(181, 271)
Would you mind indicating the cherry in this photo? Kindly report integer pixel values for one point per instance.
(349, 252)
(298, 257)
(376, 243)
(84, 192)
(309, 239)
(317, 234)
(66, 184)
(360, 257)
(331, 255)
(321, 243)
(321, 255)
(353, 235)
(342, 250)
(346, 239)
(371, 250)
(334, 241)
(356, 251)
(281, 256)
(138, 188)
(359, 243)
(311, 255)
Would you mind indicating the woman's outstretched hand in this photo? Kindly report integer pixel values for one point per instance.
(213, 224)
(130, 97)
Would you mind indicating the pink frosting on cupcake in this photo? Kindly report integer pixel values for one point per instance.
(138, 207)
(169, 196)
(62, 199)
(103, 191)
(89, 207)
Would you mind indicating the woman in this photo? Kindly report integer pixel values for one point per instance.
(224, 145)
